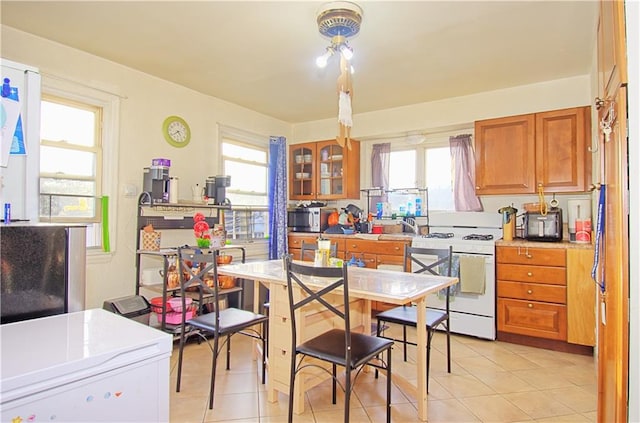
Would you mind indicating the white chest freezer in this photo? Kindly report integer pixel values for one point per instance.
(88, 366)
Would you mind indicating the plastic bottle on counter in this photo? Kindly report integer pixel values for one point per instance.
(418, 206)
(379, 211)
(409, 209)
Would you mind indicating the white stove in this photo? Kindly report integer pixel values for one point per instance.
(472, 236)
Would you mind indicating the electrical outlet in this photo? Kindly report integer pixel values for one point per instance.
(130, 190)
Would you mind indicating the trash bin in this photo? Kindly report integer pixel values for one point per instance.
(135, 307)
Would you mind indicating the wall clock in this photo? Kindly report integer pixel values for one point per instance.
(176, 131)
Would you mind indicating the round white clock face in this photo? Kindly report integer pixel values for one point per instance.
(176, 131)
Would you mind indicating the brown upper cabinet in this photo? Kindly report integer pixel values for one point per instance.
(323, 170)
(517, 154)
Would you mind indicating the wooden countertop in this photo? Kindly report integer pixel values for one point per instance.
(371, 237)
(519, 242)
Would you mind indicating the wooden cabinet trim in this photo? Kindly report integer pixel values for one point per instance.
(548, 149)
(307, 180)
(532, 274)
(532, 256)
(533, 318)
(532, 292)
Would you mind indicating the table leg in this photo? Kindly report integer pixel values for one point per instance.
(421, 358)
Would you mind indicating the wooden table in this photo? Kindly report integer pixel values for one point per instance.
(365, 285)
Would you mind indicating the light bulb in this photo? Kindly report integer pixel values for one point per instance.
(346, 51)
(321, 61)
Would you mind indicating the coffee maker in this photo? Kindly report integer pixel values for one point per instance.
(216, 189)
(156, 183)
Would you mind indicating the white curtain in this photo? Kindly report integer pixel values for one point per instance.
(464, 180)
(380, 157)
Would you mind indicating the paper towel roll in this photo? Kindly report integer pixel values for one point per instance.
(173, 190)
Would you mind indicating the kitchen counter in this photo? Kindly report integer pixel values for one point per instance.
(372, 237)
(516, 242)
(519, 242)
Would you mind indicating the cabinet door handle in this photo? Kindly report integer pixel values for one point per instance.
(397, 248)
(529, 274)
(530, 305)
(529, 291)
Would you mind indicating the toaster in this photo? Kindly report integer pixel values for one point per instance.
(543, 227)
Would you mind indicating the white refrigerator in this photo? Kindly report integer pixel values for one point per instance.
(88, 366)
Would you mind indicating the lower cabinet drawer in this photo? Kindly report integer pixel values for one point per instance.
(369, 260)
(532, 292)
(542, 274)
(532, 318)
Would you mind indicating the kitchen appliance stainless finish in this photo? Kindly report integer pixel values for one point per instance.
(156, 183)
(221, 182)
(539, 227)
(471, 234)
(309, 219)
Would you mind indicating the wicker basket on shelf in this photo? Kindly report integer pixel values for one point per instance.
(226, 282)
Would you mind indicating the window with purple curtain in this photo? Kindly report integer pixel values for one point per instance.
(380, 156)
(464, 180)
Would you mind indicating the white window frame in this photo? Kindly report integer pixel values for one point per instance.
(245, 139)
(110, 105)
(95, 149)
(398, 143)
(419, 164)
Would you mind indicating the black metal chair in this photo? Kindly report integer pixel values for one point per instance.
(312, 247)
(219, 323)
(339, 347)
(406, 315)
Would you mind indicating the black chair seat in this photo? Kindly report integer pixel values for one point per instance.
(330, 346)
(231, 320)
(407, 315)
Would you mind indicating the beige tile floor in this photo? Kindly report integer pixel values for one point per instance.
(489, 382)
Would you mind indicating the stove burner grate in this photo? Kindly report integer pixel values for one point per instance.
(479, 237)
(439, 235)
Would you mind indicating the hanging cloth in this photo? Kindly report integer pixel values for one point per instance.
(345, 93)
(464, 180)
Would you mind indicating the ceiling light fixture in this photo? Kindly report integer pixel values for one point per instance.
(338, 21)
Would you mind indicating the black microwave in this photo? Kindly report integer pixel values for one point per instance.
(543, 227)
(309, 219)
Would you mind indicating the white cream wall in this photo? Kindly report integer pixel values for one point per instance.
(148, 101)
(456, 113)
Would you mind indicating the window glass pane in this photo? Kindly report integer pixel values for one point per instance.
(245, 153)
(402, 169)
(247, 224)
(247, 199)
(67, 186)
(67, 162)
(246, 177)
(438, 175)
(57, 206)
(59, 122)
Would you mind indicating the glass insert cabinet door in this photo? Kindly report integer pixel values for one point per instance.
(331, 168)
(303, 171)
